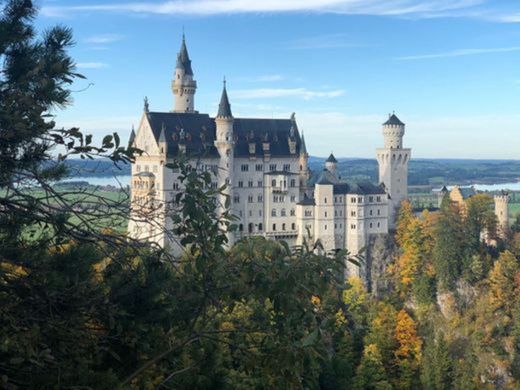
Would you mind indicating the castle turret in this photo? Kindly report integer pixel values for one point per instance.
(183, 84)
(331, 164)
(225, 144)
(304, 168)
(393, 165)
(502, 213)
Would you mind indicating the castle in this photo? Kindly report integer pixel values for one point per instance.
(263, 163)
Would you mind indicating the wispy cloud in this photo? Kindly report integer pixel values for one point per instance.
(302, 93)
(91, 65)
(104, 38)
(426, 8)
(270, 78)
(460, 53)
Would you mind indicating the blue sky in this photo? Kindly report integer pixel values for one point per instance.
(449, 68)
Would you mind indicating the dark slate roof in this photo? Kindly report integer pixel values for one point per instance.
(307, 201)
(326, 178)
(199, 134)
(332, 159)
(444, 189)
(132, 138)
(282, 173)
(224, 108)
(393, 120)
(362, 188)
(183, 59)
(304, 147)
(467, 192)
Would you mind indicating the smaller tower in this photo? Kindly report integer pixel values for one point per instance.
(225, 144)
(502, 213)
(183, 84)
(331, 164)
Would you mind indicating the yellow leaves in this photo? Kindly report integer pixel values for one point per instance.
(13, 270)
(339, 319)
(407, 338)
(503, 282)
(316, 301)
(356, 295)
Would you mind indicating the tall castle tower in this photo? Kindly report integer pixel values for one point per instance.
(225, 145)
(393, 165)
(183, 84)
(502, 213)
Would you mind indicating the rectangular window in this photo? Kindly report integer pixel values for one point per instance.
(260, 184)
(293, 213)
(250, 199)
(236, 199)
(259, 167)
(370, 199)
(293, 198)
(250, 183)
(240, 184)
(260, 198)
(244, 167)
(272, 167)
(286, 167)
(293, 183)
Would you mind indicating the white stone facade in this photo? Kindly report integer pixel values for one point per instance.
(264, 163)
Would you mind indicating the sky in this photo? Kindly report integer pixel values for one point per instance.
(450, 69)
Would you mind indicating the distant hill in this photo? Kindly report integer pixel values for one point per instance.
(422, 171)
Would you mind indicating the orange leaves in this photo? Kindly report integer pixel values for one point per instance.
(406, 335)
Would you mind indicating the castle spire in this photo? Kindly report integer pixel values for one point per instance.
(183, 59)
(132, 137)
(146, 105)
(303, 147)
(224, 108)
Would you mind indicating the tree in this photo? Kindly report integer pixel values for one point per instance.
(370, 373)
(437, 365)
(503, 283)
(408, 353)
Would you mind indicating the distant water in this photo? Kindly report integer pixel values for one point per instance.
(498, 187)
(116, 181)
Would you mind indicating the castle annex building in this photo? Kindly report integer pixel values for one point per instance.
(263, 161)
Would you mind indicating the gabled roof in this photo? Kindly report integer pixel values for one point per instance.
(332, 159)
(183, 59)
(467, 192)
(200, 129)
(362, 188)
(393, 120)
(327, 177)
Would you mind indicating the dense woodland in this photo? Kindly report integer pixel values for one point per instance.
(83, 308)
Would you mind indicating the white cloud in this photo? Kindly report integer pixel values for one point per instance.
(303, 93)
(270, 77)
(104, 38)
(460, 53)
(425, 8)
(91, 65)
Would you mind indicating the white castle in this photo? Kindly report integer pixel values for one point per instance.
(264, 163)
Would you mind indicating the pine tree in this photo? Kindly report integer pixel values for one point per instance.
(370, 374)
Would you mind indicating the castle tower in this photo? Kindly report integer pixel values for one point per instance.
(393, 165)
(331, 164)
(502, 213)
(225, 144)
(304, 168)
(183, 84)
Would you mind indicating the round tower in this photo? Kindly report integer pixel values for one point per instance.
(183, 84)
(225, 143)
(393, 165)
(331, 164)
(502, 213)
(393, 132)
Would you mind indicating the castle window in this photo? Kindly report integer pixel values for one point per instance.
(293, 226)
(293, 198)
(259, 167)
(273, 183)
(370, 198)
(378, 212)
(371, 212)
(283, 226)
(325, 214)
(250, 183)
(240, 184)
(260, 198)
(293, 183)
(175, 186)
(293, 213)
(250, 213)
(260, 184)
(273, 213)
(352, 213)
(272, 167)
(325, 227)
(378, 199)
(260, 227)
(378, 224)
(325, 200)
(286, 167)
(244, 168)
(236, 199)
(259, 213)
(353, 200)
(353, 226)
(360, 199)
(250, 199)
(283, 213)
(241, 227)
(274, 227)
(250, 228)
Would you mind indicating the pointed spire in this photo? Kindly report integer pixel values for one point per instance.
(303, 146)
(393, 120)
(132, 137)
(146, 107)
(162, 137)
(224, 108)
(183, 59)
(332, 159)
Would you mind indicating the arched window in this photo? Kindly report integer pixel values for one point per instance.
(250, 228)
(260, 227)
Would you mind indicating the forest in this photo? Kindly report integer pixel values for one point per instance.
(87, 308)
